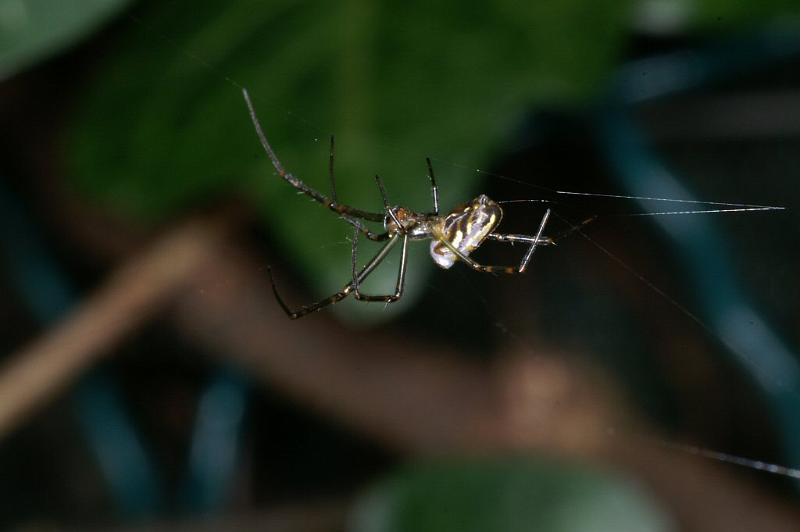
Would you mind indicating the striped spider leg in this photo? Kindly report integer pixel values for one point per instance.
(453, 236)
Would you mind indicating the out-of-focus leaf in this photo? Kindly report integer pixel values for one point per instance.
(31, 30)
(161, 127)
(512, 495)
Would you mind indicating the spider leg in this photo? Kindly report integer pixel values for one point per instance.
(306, 309)
(341, 294)
(544, 241)
(434, 188)
(523, 265)
(295, 182)
(529, 254)
(376, 237)
(385, 199)
(401, 274)
(349, 219)
(330, 171)
(472, 263)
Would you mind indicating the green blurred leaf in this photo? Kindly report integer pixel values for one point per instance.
(162, 128)
(511, 495)
(32, 30)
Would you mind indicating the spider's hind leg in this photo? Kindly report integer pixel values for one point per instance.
(349, 287)
(307, 309)
(401, 274)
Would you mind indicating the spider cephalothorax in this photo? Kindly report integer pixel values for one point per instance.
(453, 236)
(415, 225)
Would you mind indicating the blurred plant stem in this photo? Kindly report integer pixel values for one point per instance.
(126, 300)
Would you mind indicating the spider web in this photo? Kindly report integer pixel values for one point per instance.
(595, 223)
(765, 359)
(591, 227)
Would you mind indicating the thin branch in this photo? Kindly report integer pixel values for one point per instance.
(129, 298)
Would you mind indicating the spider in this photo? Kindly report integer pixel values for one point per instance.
(453, 236)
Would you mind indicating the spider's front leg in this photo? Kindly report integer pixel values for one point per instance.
(352, 220)
(375, 237)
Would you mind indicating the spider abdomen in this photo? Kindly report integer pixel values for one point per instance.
(464, 230)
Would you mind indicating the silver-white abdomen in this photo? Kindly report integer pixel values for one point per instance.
(464, 229)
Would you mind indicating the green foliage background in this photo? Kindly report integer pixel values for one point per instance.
(33, 30)
(160, 125)
(507, 495)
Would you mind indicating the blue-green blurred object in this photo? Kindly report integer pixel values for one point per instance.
(134, 482)
(725, 307)
(507, 495)
(32, 30)
(215, 443)
(131, 477)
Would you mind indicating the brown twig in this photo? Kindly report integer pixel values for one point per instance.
(125, 301)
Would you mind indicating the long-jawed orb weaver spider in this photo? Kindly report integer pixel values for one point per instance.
(453, 236)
